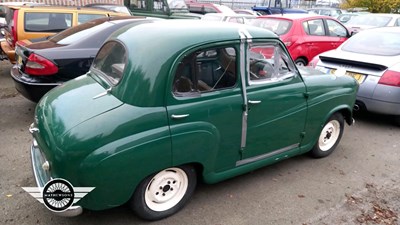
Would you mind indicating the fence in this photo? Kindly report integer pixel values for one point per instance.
(234, 4)
(72, 2)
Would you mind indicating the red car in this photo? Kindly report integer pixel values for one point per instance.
(305, 35)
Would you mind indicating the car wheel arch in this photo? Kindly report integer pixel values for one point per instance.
(301, 59)
(344, 110)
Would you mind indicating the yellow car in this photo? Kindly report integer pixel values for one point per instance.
(28, 22)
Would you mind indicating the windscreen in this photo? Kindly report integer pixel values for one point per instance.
(374, 43)
(77, 33)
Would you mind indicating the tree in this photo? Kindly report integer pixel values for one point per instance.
(374, 6)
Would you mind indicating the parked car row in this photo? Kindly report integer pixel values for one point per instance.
(122, 108)
(46, 64)
(27, 22)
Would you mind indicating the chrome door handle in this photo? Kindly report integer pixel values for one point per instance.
(179, 116)
(254, 102)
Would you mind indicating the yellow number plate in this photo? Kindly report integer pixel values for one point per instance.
(359, 77)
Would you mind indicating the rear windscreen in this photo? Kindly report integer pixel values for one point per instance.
(47, 22)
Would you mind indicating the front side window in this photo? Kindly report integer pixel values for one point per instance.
(206, 71)
(47, 22)
(138, 4)
(314, 27)
(177, 5)
(397, 24)
(278, 26)
(336, 29)
(159, 5)
(83, 18)
(110, 61)
(269, 63)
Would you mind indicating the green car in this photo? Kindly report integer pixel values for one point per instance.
(172, 102)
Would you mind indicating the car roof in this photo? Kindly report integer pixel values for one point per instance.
(380, 14)
(21, 3)
(57, 8)
(382, 29)
(328, 8)
(231, 15)
(183, 35)
(295, 16)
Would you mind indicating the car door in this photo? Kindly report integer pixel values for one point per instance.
(277, 105)
(316, 39)
(205, 107)
(337, 32)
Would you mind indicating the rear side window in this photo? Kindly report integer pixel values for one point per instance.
(47, 22)
(110, 61)
(278, 26)
(83, 18)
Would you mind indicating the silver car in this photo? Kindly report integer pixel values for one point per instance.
(372, 57)
(372, 20)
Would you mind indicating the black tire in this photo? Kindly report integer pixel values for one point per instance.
(300, 62)
(397, 120)
(162, 194)
(329, 137)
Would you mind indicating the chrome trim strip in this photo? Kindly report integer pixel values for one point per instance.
(266, 155)
(245, 37)
(34, 168)
(242, 34)
(33, 129)
(181, 116)
(71, 211)
(103, 93)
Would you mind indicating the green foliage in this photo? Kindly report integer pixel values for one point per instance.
(374, 6)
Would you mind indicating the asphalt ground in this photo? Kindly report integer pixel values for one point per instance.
(357, 184)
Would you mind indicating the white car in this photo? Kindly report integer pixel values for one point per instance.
(234, 18)
(247, 11)
(372, 57)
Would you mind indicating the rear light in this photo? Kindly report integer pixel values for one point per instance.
(38, 65)
(288, 42)
(391, 78)
(14, 28)
(313, 63)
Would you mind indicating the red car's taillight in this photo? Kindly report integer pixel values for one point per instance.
(288, 42)
(14, 28)
(38, 65)
(391, 78)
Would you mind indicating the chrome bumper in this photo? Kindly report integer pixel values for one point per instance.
(42, 177)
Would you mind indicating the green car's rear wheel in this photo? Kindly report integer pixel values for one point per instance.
(164, 193)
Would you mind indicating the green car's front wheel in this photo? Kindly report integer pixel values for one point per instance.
(164, 193)
(329, 137)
